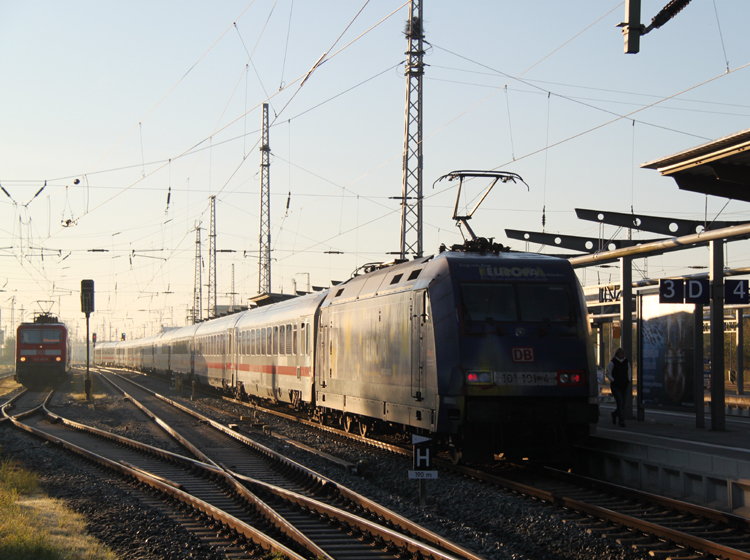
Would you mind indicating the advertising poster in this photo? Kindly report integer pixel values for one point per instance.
(666, 367)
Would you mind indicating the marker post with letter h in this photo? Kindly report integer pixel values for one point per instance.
(422, 463)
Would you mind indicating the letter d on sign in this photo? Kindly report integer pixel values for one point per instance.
(696, 291)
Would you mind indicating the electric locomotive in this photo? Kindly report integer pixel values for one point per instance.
(42, 352)
(487, 352)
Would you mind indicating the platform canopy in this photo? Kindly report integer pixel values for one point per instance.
(719, 168)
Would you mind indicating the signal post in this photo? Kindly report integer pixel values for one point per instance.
(87, 307)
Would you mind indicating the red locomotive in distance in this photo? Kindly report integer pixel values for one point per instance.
(42, 352)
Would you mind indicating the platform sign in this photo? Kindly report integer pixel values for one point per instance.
(422, 459)
(671, 291)
(697, 291)
(736, 291)
(693, 291)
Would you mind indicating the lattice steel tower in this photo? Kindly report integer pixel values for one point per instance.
(264, 259)
(198, 290)
(212, 261)
(411, 194)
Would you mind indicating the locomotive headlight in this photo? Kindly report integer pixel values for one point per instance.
(58, 359)
(479, 377)
(23, 358)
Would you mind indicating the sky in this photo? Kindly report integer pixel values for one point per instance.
(119, 121)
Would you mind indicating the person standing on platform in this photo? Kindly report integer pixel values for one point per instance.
(619, 374)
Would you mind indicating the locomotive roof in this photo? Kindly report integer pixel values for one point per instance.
(55, 323)
(419, 273)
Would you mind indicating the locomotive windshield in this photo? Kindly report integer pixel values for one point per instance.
(517, 302)
(41, 336)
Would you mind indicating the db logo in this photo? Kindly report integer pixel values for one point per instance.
(523, 354)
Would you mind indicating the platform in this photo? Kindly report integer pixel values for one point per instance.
(668, 455)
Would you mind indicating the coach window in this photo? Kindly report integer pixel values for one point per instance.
(289, 339)
(275, 341)
(282, 340)
(294, 339)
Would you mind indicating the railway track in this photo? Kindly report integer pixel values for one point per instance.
(658, 526)
(353, 528)
(663, 527)
(648, 522)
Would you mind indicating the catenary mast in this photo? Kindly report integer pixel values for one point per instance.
(198, 290)
(212, 261)
(411, 194)
(264, 259)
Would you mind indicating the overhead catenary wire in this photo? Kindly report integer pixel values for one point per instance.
(215, 144)
(721, 35)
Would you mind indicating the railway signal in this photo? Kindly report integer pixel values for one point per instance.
(87, 297)
(87, 307)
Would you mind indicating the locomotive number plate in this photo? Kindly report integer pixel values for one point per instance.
(525, 378)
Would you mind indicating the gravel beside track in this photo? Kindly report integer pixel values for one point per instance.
(496, 524)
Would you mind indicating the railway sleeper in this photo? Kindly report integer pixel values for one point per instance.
(666, 554)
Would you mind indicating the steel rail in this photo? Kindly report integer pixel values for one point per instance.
(171, 489)
(393, 448)
(730, 519)
(26, 412)
(323, 482)
(644, 526)
(9, 403)
(264, 509)
(276, 520)
(164, 426)
(366, 526)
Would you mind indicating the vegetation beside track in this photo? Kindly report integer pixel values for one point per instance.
(35, 526)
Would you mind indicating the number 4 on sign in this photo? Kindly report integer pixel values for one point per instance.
(736, 291)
